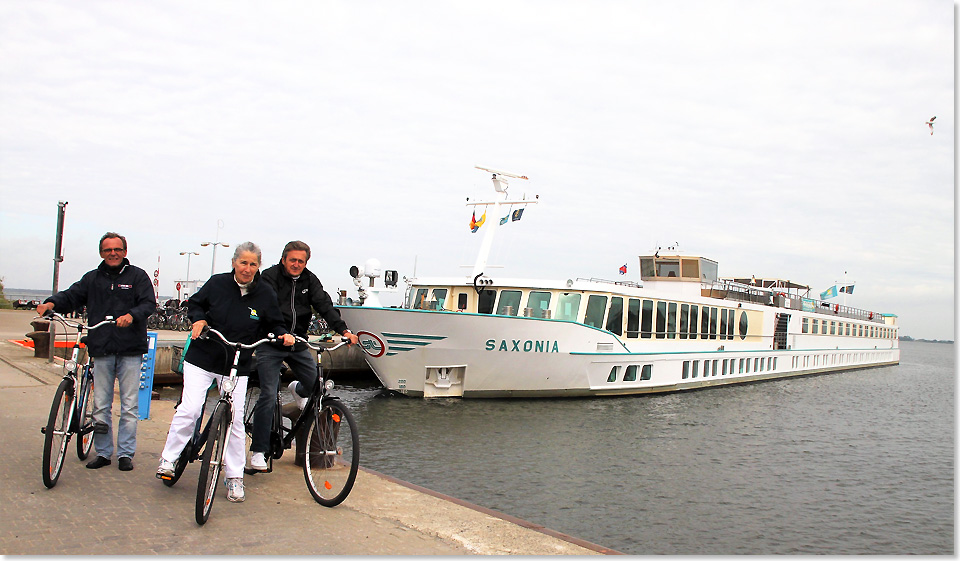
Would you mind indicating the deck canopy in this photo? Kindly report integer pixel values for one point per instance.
(677, 268)
(772, 284)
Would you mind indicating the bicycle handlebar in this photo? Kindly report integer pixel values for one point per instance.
(75, 324)
(271, 338)
(321, 348)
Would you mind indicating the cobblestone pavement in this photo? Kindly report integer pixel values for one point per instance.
(108, 511)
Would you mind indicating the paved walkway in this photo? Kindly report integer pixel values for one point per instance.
(107, 511)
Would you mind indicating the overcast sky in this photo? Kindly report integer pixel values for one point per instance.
(782, 139)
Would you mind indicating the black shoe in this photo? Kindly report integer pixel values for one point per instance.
(98, 463)
(125, 464)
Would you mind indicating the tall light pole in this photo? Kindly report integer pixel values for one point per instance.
(189, 254)
(213, 260)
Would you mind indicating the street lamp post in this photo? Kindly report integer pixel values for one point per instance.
(189, 254)
(213, 260)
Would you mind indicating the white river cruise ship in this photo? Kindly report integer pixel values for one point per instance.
(682, 327)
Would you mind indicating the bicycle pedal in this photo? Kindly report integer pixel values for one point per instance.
(43, 430)
(164, 477)
(101, 428)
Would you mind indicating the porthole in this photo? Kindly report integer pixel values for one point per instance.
(743, 325)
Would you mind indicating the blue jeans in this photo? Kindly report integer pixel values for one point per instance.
(269, 361)
(108, 370)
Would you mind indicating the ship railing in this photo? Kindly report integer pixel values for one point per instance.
(783, 299)
(631, 284)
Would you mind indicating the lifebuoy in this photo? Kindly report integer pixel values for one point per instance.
(871, 315)
(836, 308)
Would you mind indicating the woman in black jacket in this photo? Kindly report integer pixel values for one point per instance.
(245, 310)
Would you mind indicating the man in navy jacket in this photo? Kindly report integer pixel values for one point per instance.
(299, 293)
(123, 292)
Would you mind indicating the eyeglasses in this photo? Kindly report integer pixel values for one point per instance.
(112, 249)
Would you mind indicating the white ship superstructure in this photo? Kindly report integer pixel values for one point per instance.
(682, 327)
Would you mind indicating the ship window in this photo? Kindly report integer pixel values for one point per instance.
(833, 328)
(647, 268)
(723, 324)
(846, 329)
(684, 320)
(693, 321)
(696, 366)
(417, 299)
(646, 371)
(806, 325)
(741, 366)
(672, 321)
(613, 374)
(631, 374)
(633, 318)
(440, 295)
(486, 300)
(815, 326)
(646, 324)
(461, 301)
(661, 320)
(705, 323)
(509, 304)
(596, 305)
(763, 364)
(686, 369)
(706, 368)
(668, 269)
(730, 319)
(539, 303)
(724, 373)
(715, 367)
(713, 323)
(568, 306)
(708, 270)
(743, 325)
(615, 317)
(691, 268)
(756, 365)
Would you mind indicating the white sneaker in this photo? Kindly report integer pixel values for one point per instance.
(301, 401)
(234, 489)
(258, 461)
(165, 470)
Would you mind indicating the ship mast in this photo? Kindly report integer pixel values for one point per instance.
(500, 185)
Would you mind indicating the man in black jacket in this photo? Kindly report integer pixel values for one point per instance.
(119, 290)
(299, 292)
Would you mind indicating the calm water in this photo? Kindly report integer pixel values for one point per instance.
(850, 463)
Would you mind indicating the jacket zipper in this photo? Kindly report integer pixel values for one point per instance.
(293, 307)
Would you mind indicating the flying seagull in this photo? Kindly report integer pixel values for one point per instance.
(930, 123)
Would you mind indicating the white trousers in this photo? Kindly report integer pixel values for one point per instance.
(196, 382)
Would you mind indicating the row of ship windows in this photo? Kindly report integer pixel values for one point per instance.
(815, 326)
(715, 367)
(641, 321)
(723, 367)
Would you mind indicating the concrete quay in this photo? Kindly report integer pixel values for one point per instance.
(108, 511)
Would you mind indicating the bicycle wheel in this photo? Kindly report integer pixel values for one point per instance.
(85, 423)
(56, 435)
(333, 454)
(212, 463)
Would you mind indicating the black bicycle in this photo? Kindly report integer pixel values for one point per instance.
(72, 410)
(327, 433)
(209, 444)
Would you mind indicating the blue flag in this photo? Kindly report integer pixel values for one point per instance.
(829, 293)
(517, 213)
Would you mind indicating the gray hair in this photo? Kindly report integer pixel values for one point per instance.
(115, 235)
(245, 247)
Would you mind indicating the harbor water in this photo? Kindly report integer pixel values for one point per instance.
(858, 462)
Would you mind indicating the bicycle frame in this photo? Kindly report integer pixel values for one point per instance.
(74, 389)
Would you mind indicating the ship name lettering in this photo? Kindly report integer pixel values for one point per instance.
(517, 345)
